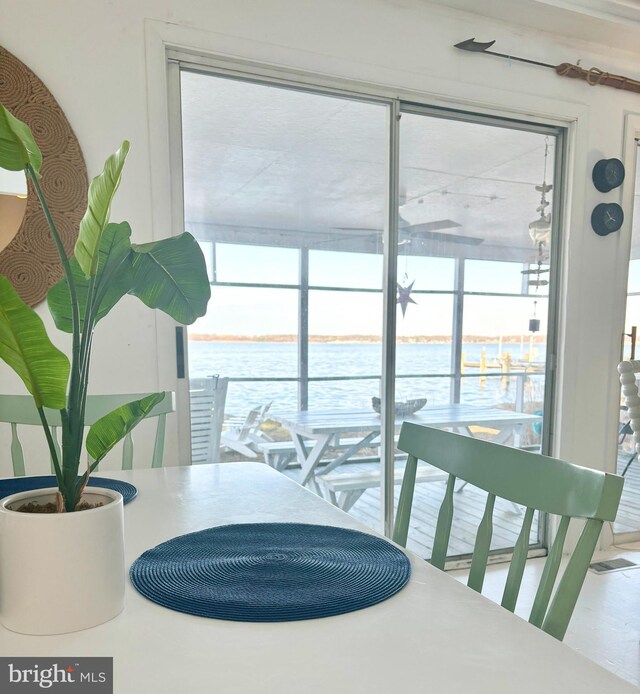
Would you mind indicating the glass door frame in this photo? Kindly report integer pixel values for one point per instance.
(181, 59)
(631, 160)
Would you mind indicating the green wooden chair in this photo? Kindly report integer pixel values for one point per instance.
(19, 411)
(533, 480)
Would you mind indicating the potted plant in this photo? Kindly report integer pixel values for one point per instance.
(64, 571)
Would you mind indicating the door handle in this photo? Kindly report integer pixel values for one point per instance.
(180, 351)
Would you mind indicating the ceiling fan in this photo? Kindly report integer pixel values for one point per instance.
(424, 231)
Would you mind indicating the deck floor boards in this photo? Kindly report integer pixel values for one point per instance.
(628, 518)
(469, 506)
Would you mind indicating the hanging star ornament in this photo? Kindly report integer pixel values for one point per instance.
(404, 297)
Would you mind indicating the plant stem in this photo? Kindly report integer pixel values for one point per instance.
(98, 287)
(61, 252)
(52, 448)
(85, 344)
(87, 328)
(72, 432)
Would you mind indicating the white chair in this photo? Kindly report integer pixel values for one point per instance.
(207, 398)
(244, 435)
(627, 371)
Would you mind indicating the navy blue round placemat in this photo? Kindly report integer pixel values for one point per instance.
(271, 572)
(14, 485)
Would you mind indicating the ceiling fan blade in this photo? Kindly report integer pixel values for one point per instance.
(436, 225)
(369, 229)
(446, 238)
(404, 226)
(426, 231)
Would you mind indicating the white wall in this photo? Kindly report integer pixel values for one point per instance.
(103, 62)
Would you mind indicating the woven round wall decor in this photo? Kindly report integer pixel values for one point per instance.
(30, 260)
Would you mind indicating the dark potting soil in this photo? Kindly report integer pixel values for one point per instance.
(33, 507)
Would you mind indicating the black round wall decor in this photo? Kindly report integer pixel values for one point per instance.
(608, 174)
(606, 218)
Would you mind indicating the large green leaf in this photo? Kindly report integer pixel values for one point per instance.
(171, 275)
(17, 146)
(114, 279)
(25, 346)
(108, 430)
(96, 218)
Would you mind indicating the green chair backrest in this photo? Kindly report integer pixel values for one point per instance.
(19, 411)
(530, 479)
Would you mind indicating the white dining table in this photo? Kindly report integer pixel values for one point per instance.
(435, 635)
(325, 429)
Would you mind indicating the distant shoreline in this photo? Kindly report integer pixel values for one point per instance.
(368, 339)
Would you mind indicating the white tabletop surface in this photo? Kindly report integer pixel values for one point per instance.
(329, 421)
(434, 636)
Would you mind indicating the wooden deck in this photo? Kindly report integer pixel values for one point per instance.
(469, 507)
(628, 518)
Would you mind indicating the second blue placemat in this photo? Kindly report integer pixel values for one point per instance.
(271, 572)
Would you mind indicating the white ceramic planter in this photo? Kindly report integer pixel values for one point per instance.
(61, 572)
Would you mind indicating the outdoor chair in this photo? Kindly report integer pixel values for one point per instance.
(207, 398)
(533, 480)
(20, 411)
(244, 435)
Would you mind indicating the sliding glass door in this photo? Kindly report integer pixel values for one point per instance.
(475, 251)
(288, 191)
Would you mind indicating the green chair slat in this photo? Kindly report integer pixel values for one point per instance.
(532, 480)
(127, 452)
(19, 411)
(17, 455)
(516, 568)
(549, 574)
(443, 527)
(405, 501)
(482, 546)
(566, 595)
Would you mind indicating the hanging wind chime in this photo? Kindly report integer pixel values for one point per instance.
(540, 233)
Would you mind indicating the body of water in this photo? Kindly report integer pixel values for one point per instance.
(279, 360)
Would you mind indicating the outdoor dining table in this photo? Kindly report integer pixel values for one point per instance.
(325, 429)
(435, 635)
